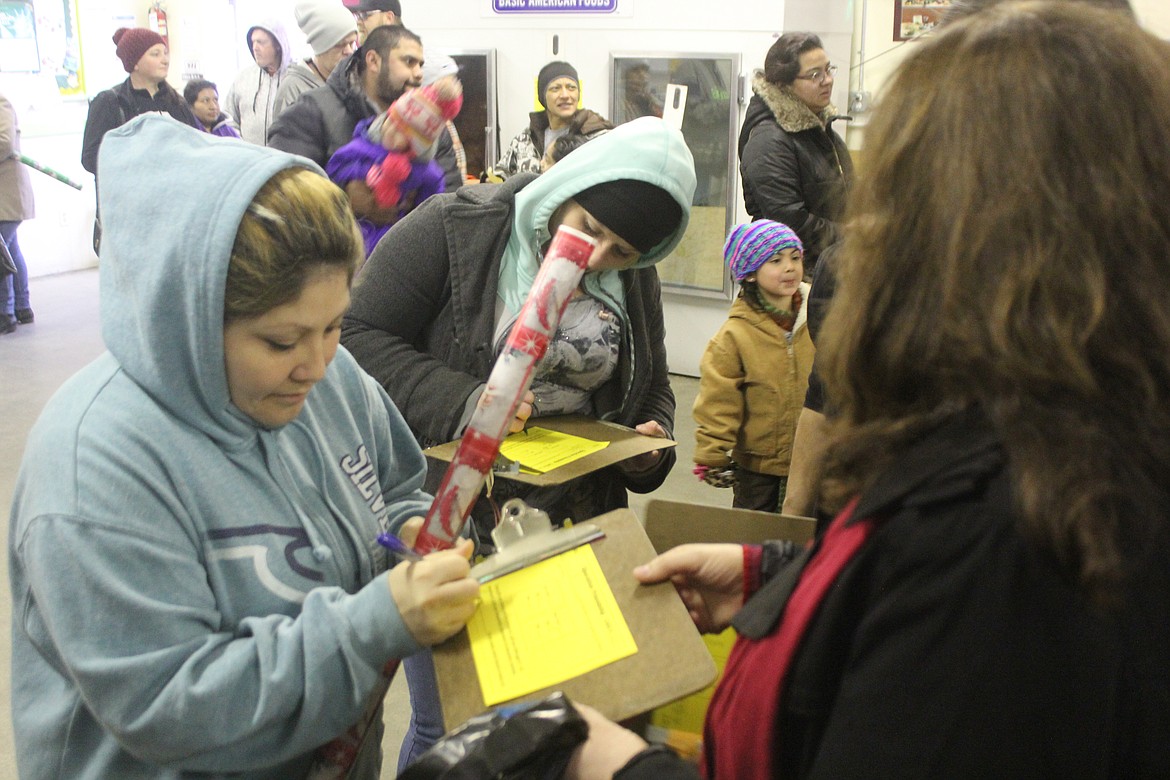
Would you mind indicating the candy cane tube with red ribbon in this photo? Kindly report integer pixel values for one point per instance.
(560, 273)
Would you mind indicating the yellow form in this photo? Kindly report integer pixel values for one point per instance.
(545, 624)
(539, 450)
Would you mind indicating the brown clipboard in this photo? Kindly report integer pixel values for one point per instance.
(623, 443)
(671, 661)
(671, 523)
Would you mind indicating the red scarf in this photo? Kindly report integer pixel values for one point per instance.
(739, 736)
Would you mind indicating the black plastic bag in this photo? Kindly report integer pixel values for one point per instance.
(532, 742)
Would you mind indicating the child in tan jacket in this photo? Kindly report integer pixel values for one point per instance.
(754, 372)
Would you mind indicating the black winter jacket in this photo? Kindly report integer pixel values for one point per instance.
(116, 106)
(795, 169)
(422, 323)
(322, 120)
(950, 646)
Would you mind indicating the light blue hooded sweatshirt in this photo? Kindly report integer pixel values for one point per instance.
(195, 595)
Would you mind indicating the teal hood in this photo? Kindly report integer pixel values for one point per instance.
(164, 260)
(647, 149)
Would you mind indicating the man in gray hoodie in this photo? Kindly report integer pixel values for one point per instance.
(251, 100)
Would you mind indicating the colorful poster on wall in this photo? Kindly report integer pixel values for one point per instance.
(913, 18)
(59, 34)
(42, 37)
(18, 38)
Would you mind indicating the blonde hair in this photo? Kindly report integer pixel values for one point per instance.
(298, 222)
(1009, 249)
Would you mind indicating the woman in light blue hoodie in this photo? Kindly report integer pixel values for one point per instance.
(196, 583)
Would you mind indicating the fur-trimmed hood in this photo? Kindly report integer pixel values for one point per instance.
(791, 113)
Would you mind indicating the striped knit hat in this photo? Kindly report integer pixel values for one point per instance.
(752, 244)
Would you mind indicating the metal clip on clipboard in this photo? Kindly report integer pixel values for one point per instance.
(525, 536)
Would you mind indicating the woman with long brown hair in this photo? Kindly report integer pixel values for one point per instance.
(993, 597)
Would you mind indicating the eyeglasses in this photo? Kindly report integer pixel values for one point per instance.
(361, 16)
(820, 75)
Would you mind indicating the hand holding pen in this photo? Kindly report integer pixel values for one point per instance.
(435, 594)
(395, 545)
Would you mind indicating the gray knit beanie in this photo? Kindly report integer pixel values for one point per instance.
(324, 22)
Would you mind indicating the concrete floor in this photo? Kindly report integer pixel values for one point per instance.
(37, 358)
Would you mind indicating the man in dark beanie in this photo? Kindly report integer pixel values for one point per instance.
(372, 14)
(442, 291)
(559, 93)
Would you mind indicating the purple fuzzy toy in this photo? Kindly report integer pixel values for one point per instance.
(353, 162)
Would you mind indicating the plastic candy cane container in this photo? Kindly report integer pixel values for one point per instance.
(560, 273)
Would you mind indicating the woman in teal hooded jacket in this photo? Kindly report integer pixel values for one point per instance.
(436, 299)
(196, 585)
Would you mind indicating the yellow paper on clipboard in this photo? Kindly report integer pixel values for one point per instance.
(547, 623)
(539, 450)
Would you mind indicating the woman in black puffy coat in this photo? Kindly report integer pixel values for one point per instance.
(795, 169)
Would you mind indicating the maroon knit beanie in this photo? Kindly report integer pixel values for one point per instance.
(132, 43)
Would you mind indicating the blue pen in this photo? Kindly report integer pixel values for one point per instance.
(398, 547)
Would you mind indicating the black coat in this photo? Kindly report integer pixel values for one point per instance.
(951, 647)
(116, 106)
(322, 120)
(422, 323)
(795, 170)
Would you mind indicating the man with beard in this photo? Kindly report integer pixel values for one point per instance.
(322, 120)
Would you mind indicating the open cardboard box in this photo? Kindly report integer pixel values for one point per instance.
(671, 523)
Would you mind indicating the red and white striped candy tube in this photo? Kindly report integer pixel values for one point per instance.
(559, 275)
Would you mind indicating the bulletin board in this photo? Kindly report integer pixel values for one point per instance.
(40, 37)
(915, 17)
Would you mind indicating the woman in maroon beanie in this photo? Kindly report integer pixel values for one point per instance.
(145, 57)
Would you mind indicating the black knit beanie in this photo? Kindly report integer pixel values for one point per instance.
(641, 213)
(550, 73)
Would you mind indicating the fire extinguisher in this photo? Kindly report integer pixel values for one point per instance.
(156, 20)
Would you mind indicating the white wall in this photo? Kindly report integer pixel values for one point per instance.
(1154, 16)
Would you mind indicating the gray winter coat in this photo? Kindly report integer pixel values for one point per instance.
(300, 78)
